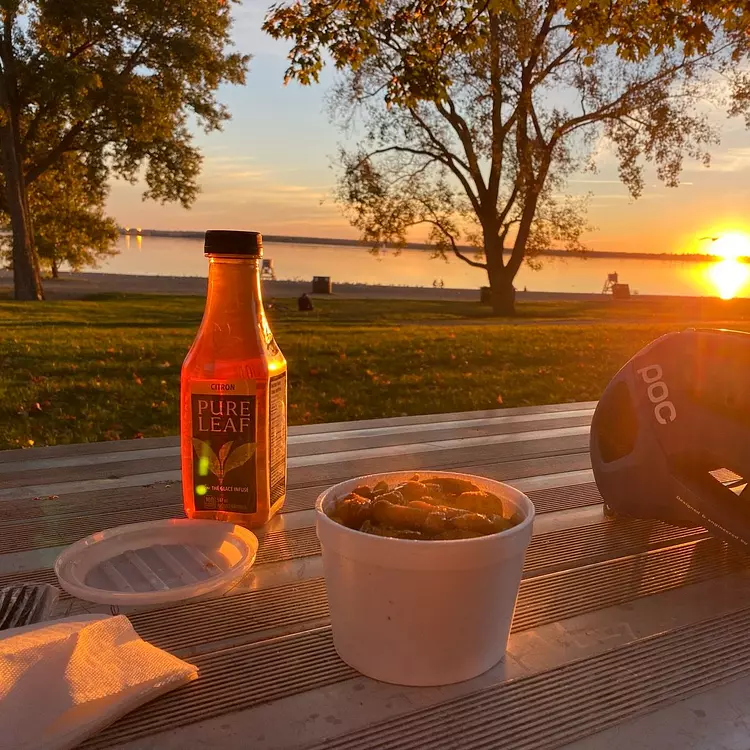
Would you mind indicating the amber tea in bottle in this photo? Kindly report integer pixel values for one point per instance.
(233, 421)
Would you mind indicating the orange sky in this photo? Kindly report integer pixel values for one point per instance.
(269, 170)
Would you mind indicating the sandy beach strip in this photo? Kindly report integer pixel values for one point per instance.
(85, 284)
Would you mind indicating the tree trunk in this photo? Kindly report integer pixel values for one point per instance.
(27, 278)
(55, 269)
(500, 275)
(502, 295)
(502, 292)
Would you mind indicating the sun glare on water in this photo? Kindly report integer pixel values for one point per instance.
(730, 275)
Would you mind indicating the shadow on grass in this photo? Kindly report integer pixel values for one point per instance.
(151, 312)
(190, 324)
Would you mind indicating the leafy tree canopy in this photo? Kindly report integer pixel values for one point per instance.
(71, 226)
(473, 114)
(119, 84)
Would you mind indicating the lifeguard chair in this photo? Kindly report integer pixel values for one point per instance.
(619, 291)
(266, 269)
(610, 283)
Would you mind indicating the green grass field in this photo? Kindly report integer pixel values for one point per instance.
(108, 368)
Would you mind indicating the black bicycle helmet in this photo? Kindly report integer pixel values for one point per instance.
(670, 437)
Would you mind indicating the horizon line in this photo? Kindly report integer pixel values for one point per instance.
(335, 241)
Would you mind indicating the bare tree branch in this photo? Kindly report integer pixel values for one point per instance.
(509, 204)
(454, 163)
(66, 143)
(464, 134)
(454, 247)
(553, 65)
(619, 106)
(405, 150)
(498, 128)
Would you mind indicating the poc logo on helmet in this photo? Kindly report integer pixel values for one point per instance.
(658, 394)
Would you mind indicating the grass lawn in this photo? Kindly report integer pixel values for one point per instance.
(108, 368)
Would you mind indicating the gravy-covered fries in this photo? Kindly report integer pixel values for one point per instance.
(427, 508)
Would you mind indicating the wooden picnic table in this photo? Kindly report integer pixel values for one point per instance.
(627, 634)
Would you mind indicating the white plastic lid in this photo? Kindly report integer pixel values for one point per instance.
(156, 562)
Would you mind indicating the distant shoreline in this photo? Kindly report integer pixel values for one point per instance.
(190, 234)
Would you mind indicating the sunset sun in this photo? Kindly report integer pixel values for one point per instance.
(731, 246)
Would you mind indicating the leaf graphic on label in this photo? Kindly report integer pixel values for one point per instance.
(239, 457)
(207, 459)
(224, 451)
(200, 447)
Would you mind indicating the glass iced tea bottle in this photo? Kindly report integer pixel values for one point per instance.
(233, 394)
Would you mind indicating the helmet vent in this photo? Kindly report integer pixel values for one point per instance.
(730, 479)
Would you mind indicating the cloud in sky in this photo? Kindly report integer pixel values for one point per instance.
(593, 181)
(734, 159)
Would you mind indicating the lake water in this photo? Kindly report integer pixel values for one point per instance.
(168, 256)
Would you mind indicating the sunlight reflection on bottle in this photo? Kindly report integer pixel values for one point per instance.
(728, 277)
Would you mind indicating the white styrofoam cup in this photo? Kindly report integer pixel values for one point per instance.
(414, 612)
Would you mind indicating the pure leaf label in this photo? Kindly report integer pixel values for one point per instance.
(208, 463)
(224, 452)
(277, 436)
(239, 457)
(224, 443)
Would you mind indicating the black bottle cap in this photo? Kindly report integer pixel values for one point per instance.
(232, 242)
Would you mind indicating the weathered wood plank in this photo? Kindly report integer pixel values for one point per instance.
(55, 530)
(359, 424)
(19, 456)
(321, 468)
(149, 496)
(96, 466)
(78, 449)
(300, 496)
(447, 459)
